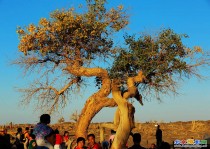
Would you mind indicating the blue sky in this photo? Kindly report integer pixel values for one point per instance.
(183, 16)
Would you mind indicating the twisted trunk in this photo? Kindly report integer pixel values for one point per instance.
(95, 102)
(124, 116)
(126, 123)
(92, 106)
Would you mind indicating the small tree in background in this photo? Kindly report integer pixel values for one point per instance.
(74, 116)
(61, 120)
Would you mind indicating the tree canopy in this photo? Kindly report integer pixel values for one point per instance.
(163, 59)
(65, 40)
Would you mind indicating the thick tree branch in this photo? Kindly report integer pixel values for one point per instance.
(132, 89)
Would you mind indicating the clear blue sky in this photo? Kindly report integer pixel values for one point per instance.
(184, 16)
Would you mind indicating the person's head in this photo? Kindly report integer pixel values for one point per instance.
(80, 142)
(50, 137)
(153, 146)
(19, 130)
(32, 136)
(165, 145)
(91, 139)
(136, 138)
(45, 118)
(113, 132)
(66, 133)
(158, 126)
(56, 131)
(31, 131)
(27, 128)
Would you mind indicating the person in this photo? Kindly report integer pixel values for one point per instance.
(111, 138)
(152, 146)
(65, 139)
(49, 140)
(80, 143)
(26, 133)
(105, 144)
(164, 145)
(158, 136)
(136, 141)
(58, 140)
(91, 142)
(41, 130)
(2, 142)
(32, 142)
(19, 139)
(26, 137)
(7, 139)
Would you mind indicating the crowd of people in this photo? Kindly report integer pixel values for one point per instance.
(42, 136)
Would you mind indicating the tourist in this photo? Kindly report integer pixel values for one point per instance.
(153, 146)
(19, 139)
(80, 143)
(26, 137)
(49, 140)
(105, 144)
(26, 133)
(111, 138)
(41, 130)
(32, 142)
(65, 139)
(136, 141)
(158, 136)
(7, 139)
(58, 140)
(91, 142)
(164, 145)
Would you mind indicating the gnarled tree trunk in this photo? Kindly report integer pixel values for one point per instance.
(92, 106)
(124, 116)
(126, 123)
(95, 102)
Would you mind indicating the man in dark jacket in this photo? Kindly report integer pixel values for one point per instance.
(158, 136)
(136, 141)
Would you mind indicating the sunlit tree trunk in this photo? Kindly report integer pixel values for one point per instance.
(95, 102)
(126, 122)
(91, 108)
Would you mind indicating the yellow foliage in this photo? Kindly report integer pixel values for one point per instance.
(198, 49)
(43, 22)
(67, 27)
(120, 7)
(20, 31)
(31, 28)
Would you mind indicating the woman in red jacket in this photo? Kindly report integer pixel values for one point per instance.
(58, 140)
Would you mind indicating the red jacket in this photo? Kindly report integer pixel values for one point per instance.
(95, 146)
(58, 139)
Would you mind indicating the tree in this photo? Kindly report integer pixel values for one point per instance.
(70, 44)
(74, 116)
(61, 120)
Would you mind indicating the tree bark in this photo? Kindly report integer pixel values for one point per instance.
(126, 123)
(95, 102)
(124, 116)
(92, 106)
